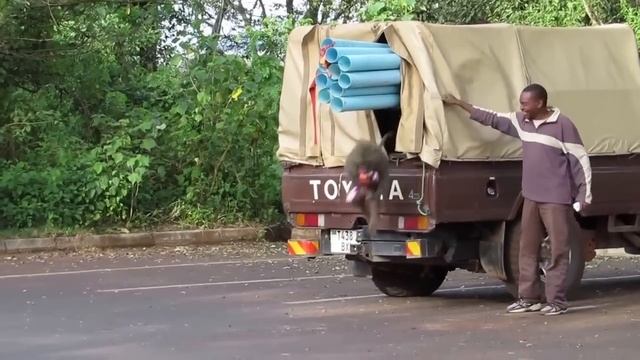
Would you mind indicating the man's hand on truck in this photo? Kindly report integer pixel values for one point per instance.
(449, 99)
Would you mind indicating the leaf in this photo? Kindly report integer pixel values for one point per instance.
(181, 108)
(134, 178)
(203, 98)
(103, 183)
(143, 160)
(146, 125)
(118, 157)
(97, 167)
(374, 9)
(148, 144)
(197, 24)
(236, 93)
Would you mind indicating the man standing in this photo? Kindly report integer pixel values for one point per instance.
(555, 174)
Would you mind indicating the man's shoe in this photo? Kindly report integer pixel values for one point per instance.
(522, 306)
(553, 309)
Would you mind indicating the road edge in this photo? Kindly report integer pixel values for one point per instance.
(146, 239)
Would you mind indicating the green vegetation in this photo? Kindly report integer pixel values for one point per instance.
(140, 113)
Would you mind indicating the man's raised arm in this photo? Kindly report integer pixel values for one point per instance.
(505, 123)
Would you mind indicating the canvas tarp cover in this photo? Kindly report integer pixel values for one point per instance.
(592, 74)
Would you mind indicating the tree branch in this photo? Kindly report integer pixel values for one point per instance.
(217, 26)
(594, 19)
(38, 53)
(264, 10)
(27, 122)
(241, 11)
(344, 10)
(326, 7)
(25, 88)
(63, 3)
(312, 10)
(26, 39)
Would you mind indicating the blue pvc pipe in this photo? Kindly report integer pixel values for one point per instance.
(321, 70)
(337, 90)
(333, 54)
(334, 71)
(369, 79)
(325, 96)
(351, 43)
(371, 102)
(369, 62)
(322, 80)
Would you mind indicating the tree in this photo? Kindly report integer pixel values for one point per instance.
(145, 112)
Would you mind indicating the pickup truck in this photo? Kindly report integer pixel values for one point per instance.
(455, 200)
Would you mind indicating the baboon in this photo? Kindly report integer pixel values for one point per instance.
(367, 166)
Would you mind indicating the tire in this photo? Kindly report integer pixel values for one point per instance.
(408, 280)
(512, 251)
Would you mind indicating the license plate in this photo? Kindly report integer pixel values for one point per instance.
(341, 241)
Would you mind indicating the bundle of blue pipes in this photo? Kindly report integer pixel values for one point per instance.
(358, 75)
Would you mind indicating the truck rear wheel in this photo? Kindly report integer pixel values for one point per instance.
(407, 280)
(512, 251)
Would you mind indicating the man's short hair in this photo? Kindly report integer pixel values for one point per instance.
(538, 91)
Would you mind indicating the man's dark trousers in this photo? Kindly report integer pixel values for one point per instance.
(556, 219)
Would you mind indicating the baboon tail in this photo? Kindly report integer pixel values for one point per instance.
(385, 138)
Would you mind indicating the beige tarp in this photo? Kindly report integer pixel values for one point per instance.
(592, 74)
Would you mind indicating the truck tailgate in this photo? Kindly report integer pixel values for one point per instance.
(308, 189)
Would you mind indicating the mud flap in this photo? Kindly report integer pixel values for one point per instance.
(359, 268)
(491, 249)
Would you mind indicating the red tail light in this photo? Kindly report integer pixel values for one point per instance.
(309, 220)
(414, 223)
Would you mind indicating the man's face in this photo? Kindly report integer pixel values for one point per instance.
(530, 105)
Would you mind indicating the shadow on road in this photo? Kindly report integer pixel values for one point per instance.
(609, 288)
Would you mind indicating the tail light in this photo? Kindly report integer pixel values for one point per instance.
(309, 220)
(414, 223)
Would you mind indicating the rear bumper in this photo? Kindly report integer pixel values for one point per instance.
(384, 247)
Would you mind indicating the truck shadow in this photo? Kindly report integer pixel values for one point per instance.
(496, 293)
(606, 287)
(601, 288)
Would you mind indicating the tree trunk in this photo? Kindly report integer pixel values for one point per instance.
(289, 7)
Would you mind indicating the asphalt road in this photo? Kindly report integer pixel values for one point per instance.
(237, 303)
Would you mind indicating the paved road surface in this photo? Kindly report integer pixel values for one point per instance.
(231, 303)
